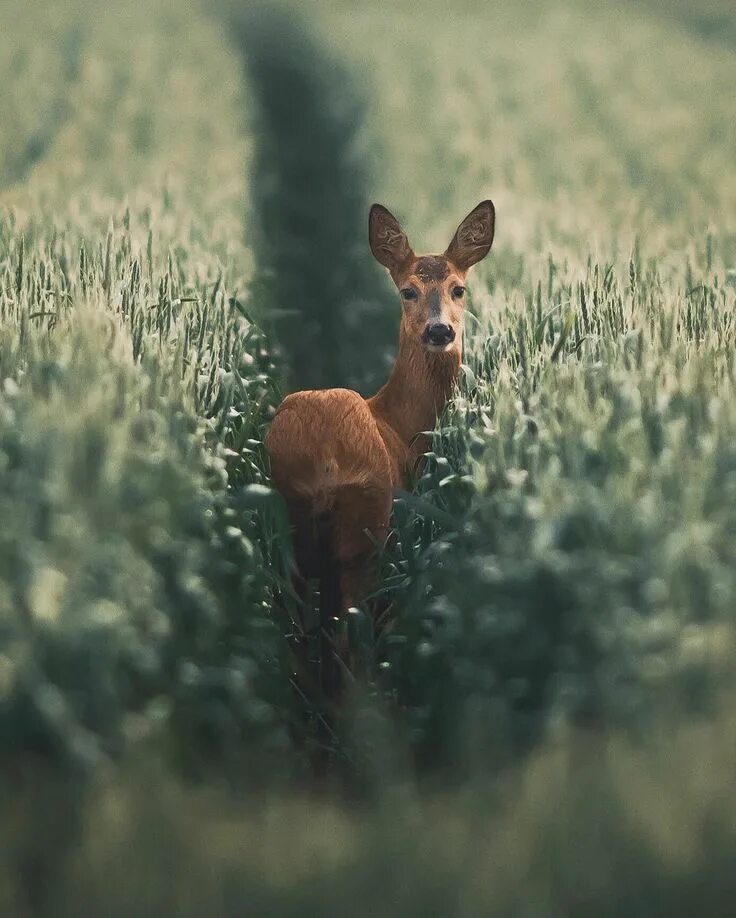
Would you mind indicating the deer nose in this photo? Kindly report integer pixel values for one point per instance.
(439, 334)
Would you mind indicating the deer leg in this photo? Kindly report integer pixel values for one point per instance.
(360, 523)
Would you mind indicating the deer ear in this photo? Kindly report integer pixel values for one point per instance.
(474, 237)
(388, 241)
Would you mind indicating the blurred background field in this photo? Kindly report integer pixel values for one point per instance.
(546, 727)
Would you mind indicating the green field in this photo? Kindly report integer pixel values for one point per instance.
(547, 727)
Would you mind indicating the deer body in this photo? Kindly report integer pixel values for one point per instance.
(337, 457)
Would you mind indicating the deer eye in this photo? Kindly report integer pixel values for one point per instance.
(409, 293)
(458, 292)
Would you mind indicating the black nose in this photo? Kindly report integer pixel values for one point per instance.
(439, 334)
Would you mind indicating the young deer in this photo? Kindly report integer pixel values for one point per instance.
(335, 456)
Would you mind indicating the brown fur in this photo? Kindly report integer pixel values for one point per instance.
(432, 268)
(336, 456)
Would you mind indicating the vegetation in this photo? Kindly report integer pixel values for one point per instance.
(545, 724)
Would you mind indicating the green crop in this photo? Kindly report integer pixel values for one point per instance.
(543, 723)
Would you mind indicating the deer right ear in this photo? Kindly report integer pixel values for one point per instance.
(474, 236)
(388, 241)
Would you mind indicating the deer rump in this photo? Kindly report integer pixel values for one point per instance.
(330, 463)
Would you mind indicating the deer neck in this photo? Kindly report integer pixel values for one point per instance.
(418, 388)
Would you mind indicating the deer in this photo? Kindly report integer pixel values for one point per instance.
(336, 457)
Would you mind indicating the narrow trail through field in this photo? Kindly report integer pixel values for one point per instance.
(711, 22)
(323, 298)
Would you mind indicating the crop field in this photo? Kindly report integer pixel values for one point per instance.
(547, 724)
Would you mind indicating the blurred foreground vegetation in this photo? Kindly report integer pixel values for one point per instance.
(546, 725)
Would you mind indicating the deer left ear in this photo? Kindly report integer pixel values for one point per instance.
(387, 239)
(474, 237)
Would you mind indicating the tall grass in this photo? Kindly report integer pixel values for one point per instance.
(594, 826)
(587, 578)
(543, 726)
(134, 589)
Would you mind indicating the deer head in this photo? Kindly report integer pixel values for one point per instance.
(432, 287)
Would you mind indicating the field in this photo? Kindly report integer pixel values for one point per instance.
(547, 727)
